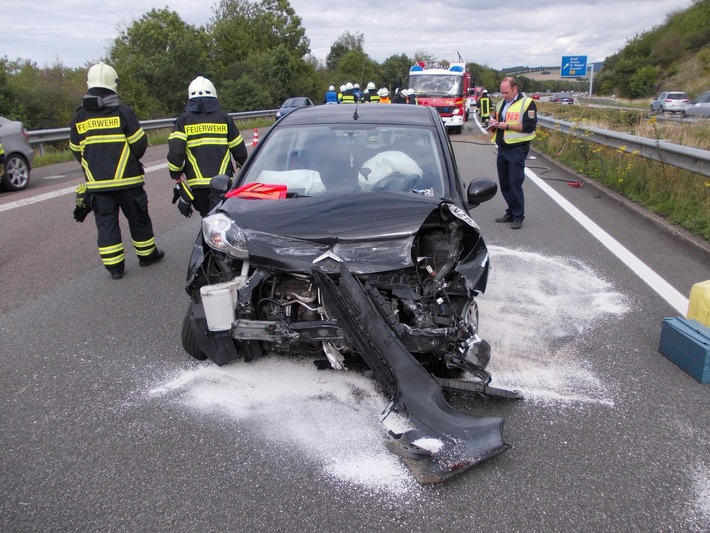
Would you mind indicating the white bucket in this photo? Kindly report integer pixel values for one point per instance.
(219, 301)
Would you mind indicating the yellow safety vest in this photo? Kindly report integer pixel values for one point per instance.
(514, 115)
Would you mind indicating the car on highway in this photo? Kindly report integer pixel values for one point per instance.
(562, 99)
(347, 238)
(19, 155)
(700, 107)
(291, 104)
(535, 96)
(669, 102)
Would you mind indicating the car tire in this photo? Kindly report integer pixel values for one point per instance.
(17, 173)
(189, 341)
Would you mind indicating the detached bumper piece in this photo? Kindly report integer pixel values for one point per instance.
(445, 441)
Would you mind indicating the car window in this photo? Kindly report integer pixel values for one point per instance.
(677, 96)
(318, 160)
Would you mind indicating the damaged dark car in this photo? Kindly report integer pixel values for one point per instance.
(347, 238)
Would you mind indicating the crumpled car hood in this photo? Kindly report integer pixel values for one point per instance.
(370, 232)
(330, 218)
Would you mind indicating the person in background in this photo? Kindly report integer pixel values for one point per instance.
(108, 141)
(349, 94)
(203, 142)
(2, 160)
(384, 95)
(340, 94)
(357, 92)
(484, 108)
(371, 94)
(514, 128)
(331, 97)
(400, 97)
(411, 98)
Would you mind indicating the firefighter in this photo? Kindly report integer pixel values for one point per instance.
(349, 94)
(340, 94)
(400, 97)
(2, 159)
(384, 95)
(484, 107)
(357, 92)
(203, 142)
(331, 97)
(371, 95)
(108, 141)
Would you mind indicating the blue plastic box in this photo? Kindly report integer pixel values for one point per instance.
(686, 342)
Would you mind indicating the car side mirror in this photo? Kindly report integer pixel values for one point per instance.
(220, 184)
(481, 190)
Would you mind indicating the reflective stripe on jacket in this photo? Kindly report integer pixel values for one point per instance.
(108, 142)
(203, 143)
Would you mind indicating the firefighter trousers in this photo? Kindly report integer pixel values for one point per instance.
(133, 203)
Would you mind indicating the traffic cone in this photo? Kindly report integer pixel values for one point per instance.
(255, 138)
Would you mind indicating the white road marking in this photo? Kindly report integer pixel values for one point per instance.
(59, 192)
(643, 271)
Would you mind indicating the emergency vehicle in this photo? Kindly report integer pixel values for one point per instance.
(446, 89)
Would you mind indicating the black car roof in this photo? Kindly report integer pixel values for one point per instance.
(401, 114)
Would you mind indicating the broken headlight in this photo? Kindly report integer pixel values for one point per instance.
(221, 233)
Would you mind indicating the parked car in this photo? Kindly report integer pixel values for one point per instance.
(19, 155)
(535, 96)
(669, 102)
(347, 238)
(562, 99)
(293, 103)
(700, 107)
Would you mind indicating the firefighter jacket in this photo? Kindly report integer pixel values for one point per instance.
(203, 142)
(373, 98)
(108, 141)
(521, 111)
(484, 106)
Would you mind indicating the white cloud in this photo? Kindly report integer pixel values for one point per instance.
(77, 32)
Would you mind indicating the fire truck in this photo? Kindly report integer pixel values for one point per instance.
(445, 88)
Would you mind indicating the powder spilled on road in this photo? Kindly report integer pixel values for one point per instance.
(533, 311)
(333, 418)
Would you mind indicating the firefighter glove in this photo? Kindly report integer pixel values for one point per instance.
(82, 208)
(182, 195)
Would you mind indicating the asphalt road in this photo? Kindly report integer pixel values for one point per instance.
(107, 425)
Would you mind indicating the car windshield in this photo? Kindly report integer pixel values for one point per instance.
(318, 160)
(436, 84)
(295, 102)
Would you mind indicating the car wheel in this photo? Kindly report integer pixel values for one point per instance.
(17, 173)
(189, 342)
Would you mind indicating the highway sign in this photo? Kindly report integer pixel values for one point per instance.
(573, 67)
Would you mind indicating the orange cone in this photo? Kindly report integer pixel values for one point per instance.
(255, 139)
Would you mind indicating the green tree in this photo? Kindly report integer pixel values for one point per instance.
(395, 71)
(346, 42)
(156, 57)
(642, 82)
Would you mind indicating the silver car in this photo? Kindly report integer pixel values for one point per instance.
(18, 155)
(669, 102)
(700, 107)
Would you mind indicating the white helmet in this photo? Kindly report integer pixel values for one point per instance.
(342, 88)
(371, 86)
(102, 75)
(384, 91)
(201, 87)
(331, 88)
(348, 86)
(357, 85)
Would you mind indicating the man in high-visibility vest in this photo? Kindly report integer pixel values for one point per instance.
(514, 127)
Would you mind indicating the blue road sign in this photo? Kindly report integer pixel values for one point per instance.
(573, 66)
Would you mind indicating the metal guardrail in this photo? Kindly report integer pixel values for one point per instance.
(692, 159)
(62, 134)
